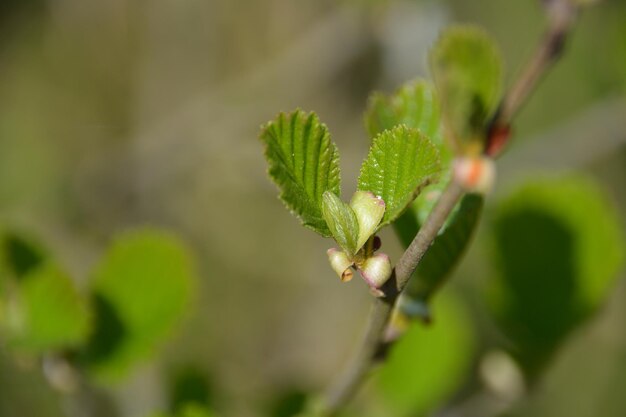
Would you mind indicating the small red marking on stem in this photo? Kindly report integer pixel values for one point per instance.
(498, 137)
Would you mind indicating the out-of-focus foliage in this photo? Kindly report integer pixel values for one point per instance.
(19, 255)
(188, 410)
(140, 290)
(48, 313)
(558, 247)
(428, 363)
(467, 70)
(414, 104)
(190, 385)
(288, 404)
(42, 309)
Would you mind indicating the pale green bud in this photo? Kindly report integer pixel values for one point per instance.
(340, 263)
(369, 211)
(376, 270)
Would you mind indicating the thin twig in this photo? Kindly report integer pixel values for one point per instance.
(561, 15)
(355, 372)
(345, 387)
(427, 234)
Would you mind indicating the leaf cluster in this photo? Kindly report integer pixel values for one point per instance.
(136, 293)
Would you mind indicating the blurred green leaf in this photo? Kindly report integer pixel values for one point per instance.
(288, 404)
(414, 105)
(467, 69)
(49, 312)
(428, 363)
(341, 221)
(304, 163)
(20, 254)
(558, 249)
(194, 410)
(401, 162)
(190, 385)
(188, 410)
(447, 248)
(141, 289)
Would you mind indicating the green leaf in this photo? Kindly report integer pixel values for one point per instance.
(304, 163)
(188, 410)
(447, 248)
(428, 363)
(559, 248)
(49, 312)
(194, 410)
(288, 403)
(341, 221)
(20, 254)
(189, 384)
(141, 289)
(400, 163)
(414, 105)
(467, 69)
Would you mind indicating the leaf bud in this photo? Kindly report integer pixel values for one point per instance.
(369, 211)
(376, 270)
(340, 263)
(475, 174)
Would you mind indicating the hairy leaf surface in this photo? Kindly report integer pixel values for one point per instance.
(304, 163)
(341, 221)
(400, 163)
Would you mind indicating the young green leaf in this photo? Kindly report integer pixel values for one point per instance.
(559, 247)
(414, 104)
(49, 313)
(304, 163)
(341, 221)
(400, 163)
(141, 289)
(467, 69)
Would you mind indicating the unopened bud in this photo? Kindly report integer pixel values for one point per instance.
(369, 211)
(376, 270)
(340, 263)
(376, 244)
(475, 174)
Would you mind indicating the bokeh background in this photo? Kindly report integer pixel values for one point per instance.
(117, 114)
